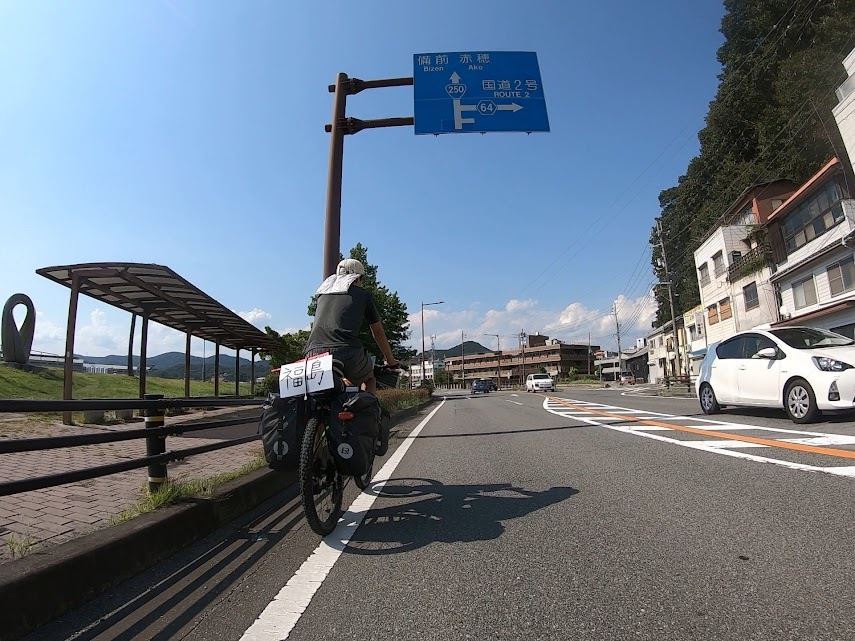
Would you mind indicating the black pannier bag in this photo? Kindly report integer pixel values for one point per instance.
(353, 438)
(283, 421)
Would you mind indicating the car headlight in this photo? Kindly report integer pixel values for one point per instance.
(829, 364)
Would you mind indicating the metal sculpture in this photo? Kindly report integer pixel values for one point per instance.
(17, 343)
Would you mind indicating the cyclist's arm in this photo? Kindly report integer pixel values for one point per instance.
(379, 335)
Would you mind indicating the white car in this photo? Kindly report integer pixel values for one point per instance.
(802, 369)
(539, 383)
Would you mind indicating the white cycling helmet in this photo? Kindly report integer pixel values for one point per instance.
(349, 266)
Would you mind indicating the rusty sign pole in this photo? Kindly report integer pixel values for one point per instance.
(339, 128)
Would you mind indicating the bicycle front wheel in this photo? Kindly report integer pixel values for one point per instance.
(321, 484)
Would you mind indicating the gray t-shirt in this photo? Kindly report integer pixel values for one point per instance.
(338, 318)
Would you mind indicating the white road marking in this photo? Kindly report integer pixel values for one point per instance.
(514, 402)
(281, 615)
(723, 446)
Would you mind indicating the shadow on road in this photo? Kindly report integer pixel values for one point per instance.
(503, 432)
(445, 514)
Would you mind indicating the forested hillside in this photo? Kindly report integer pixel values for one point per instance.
(771, 118)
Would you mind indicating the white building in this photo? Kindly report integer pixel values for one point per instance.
(844, 112)
(734, 264)
(812, 236)
(663, 361)
(695, 334)
(416, 371)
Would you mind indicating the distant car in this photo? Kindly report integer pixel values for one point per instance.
(805, 370)
(479, 385)
(539, 383)
(627, 378)
(491, 384)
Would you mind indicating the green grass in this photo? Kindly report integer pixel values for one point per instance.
(175, 491)
(20, 545)
(47, 384)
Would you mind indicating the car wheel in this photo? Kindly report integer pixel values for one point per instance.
(800, 402)
(709, 403)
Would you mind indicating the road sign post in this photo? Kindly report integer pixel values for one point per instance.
(464, 92)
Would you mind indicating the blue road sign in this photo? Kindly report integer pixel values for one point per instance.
(476, 92)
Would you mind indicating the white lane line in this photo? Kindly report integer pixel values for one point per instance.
(723, 443)
(282, 613)
(514, 402)
(831, 439)
(844, 470)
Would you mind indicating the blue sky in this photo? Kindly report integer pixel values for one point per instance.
(191, 134)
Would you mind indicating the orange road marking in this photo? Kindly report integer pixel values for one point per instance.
(801, 447)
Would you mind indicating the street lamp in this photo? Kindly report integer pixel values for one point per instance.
(439, 302)
(498, 361)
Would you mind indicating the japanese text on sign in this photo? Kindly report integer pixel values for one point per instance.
(306, 376)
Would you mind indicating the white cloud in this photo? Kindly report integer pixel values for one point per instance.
(257, 317)
(570, 324)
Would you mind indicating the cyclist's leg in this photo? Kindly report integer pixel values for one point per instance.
(359, 368)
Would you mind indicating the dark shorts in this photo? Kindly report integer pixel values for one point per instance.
(357, 364)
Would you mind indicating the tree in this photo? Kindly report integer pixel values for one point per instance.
(291, 349)
(392, 311)
(771, 118)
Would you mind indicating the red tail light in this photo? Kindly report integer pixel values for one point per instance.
(345, 416)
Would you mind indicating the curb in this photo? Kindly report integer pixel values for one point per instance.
(43, 586)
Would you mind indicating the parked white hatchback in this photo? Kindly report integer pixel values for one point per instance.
(802, 369)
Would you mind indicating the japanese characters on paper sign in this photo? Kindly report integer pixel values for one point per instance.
(306, 376)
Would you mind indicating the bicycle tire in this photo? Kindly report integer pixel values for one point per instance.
(318, 474)
(364, 481)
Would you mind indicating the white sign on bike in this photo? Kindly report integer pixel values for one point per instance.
(306, 376)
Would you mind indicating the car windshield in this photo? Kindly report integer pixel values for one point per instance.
(538, 376)
(811, 338)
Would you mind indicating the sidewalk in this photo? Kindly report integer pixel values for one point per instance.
(33, 521)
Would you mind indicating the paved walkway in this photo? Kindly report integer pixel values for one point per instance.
(33, 520)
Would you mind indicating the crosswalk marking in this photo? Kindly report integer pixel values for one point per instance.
(654, 425)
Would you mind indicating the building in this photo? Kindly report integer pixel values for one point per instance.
(662, 360)
(844, 112)
(734, 263)
(694, 322)
(431, 367)
(100, 368)
(812, 236)
(512, 366)
(636, 364)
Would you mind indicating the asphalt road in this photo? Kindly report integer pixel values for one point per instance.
(585, 514)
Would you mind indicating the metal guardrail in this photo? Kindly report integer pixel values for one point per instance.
(154, 433)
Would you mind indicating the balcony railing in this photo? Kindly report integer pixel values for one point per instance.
(753, 261)
(705, 280)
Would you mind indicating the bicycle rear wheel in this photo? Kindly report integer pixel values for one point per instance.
(365, 480)
(321, 484)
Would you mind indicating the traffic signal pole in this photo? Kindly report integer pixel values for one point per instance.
(341, 126)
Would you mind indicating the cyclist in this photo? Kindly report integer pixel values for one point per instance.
(342, 305)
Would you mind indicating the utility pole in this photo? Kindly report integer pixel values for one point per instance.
(588, 360)
(522, 344)
(669, 283)
(462, 362)
(619, 353)
(433, 357)
(498, 361)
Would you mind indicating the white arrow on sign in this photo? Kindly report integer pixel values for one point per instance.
(455, 78)
(511, 107)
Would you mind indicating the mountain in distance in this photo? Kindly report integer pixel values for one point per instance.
(171, 365)
(469, 347)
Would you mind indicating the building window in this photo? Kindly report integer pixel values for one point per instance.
(704, 274)
(712, 314)
(749, 292)
(804, 293)
(814, 217)
(745, 217)
(660, 341)
(718, 264)
(735, 256)
(724, 309)
(841, 277)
